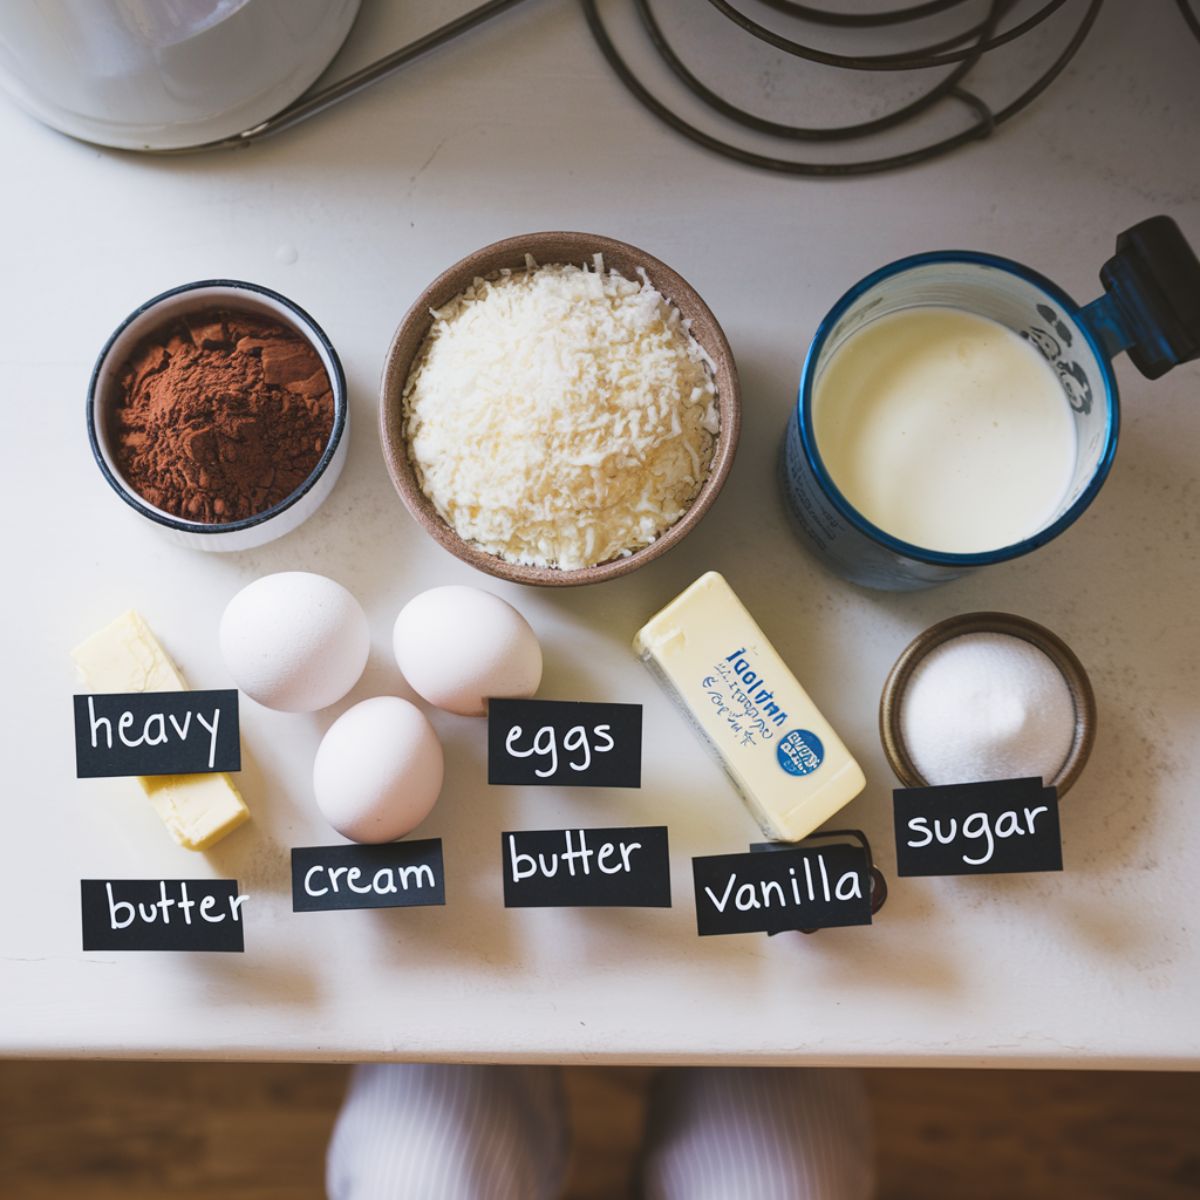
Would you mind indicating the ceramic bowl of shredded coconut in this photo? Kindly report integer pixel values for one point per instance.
(559, 408)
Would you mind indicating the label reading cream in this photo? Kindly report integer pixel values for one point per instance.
(391, 875)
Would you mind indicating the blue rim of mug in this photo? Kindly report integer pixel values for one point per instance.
(311, 331)
(808, 439)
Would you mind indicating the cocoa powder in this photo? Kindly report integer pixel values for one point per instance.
(223, 414)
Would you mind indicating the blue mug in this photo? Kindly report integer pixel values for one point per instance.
(1150, 308)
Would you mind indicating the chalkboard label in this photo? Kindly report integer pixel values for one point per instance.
(587, 868)
(162, 914)
(999, 827)
(795, 888)
(156, 733)
(393, 875)
(564, 742)
(791, 924)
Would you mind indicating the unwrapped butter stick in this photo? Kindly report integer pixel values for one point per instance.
(790, 767)
(198, 810)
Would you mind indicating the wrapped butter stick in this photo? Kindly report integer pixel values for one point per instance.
(785, 759)
(198, 810)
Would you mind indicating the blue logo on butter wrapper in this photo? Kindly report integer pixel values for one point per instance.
(800, 752)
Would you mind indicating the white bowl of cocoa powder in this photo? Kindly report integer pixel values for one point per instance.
(217, 410)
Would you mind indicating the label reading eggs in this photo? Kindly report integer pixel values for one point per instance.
(571, 743)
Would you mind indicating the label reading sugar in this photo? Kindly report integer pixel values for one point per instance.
(570, 743)
(1000, 827)
(794, 888)
(162, 914)
(393, 875)
(588, 868)
(156, 733)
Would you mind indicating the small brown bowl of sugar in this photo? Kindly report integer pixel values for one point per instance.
(559, 409)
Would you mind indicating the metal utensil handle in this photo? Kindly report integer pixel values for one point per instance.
(312, 103)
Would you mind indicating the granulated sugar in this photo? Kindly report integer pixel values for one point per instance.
(987, 706)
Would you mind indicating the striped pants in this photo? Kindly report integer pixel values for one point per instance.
(428, 1132)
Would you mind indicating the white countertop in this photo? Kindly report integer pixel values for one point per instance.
(522, 128)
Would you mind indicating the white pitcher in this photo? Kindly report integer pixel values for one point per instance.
(163, 74)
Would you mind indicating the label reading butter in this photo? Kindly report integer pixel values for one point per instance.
(587, 868)
(162, 914)
(786, 760)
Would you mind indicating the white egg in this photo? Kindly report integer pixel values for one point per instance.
(378, 770)
(459, 646)
(295, 641)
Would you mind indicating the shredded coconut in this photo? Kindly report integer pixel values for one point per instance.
(560, 416)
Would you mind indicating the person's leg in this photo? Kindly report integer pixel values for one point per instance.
(431, 1132)
(758, 1134)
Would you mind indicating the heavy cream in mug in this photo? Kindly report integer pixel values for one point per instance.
(945, 429)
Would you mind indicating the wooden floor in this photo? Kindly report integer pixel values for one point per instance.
(133, 1131)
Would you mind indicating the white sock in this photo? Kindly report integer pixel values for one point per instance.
(758, 1134)
(436, 1132)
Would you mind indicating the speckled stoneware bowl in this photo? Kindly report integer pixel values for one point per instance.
(548, 248)
(1049, 643)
